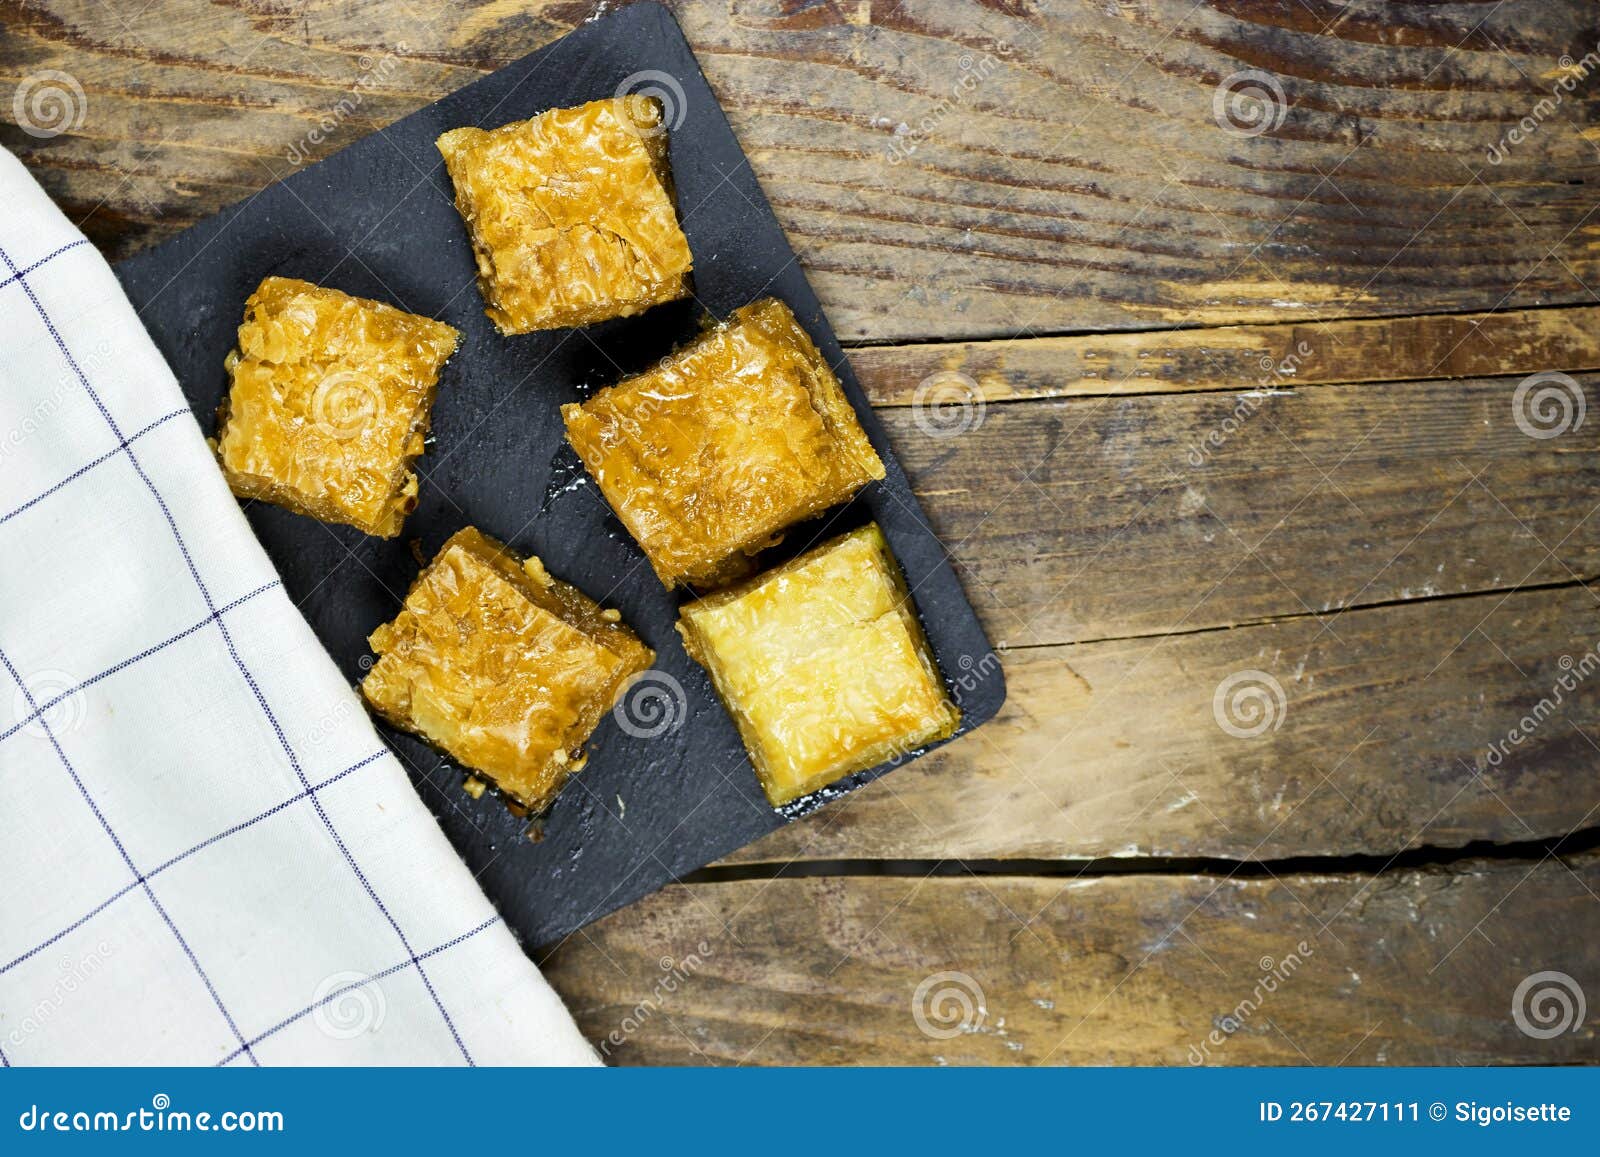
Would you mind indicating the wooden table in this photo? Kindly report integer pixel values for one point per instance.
(1240, 431)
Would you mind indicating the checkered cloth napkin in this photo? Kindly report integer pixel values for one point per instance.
(207, 856)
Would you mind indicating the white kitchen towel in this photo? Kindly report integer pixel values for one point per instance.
(207, 855)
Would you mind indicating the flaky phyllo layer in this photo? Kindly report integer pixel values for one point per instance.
(503, 667)
(329, 403)
(822, 664)
(710, 456)
(571, 214)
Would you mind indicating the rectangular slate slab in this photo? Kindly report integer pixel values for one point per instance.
(668, 788)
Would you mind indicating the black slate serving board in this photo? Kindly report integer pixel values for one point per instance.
(377, 220)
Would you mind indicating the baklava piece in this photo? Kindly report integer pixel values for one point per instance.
(571, 214)
(822, 664)
(504, 668)
(707, 458)
(329, 404)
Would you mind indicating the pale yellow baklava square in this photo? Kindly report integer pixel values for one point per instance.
(823, 665)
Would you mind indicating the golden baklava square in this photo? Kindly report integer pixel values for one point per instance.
(709, 456)
(501, 666)
(329, 403)
(571, 214)
(823, 665)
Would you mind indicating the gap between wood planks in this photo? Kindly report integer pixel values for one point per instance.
(1290, 616)
(1145, 331)
(1423, 857)
(1281, 356)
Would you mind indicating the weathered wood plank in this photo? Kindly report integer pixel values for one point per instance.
(1089, 518)
(947, 168)
(1415, 967)
(1232, 357)
(1399, 727)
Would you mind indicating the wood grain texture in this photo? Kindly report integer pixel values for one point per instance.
(1088, 518)
(1141, 517)
(1407, 726)
(1120, 970)
(946, 168)
(952, 374)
